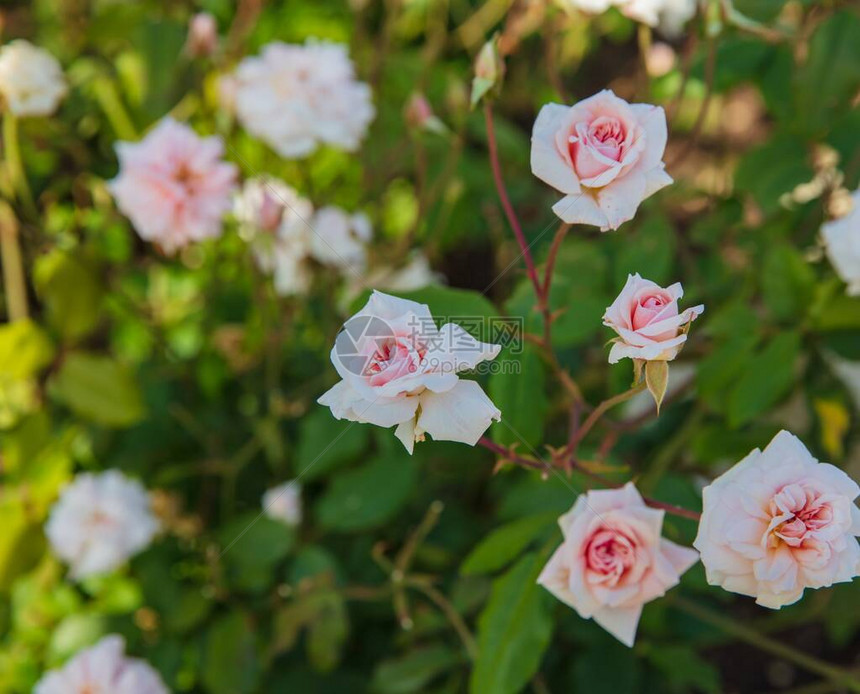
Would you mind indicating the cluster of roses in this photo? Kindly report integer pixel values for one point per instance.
(776, 523)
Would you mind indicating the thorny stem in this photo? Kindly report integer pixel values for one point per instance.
(506, 204)
(599, 411)
(451, 614)
(569, 461)
(710, 69)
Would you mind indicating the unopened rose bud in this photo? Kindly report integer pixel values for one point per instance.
(417, 110)
(489, 69)
(202, 35)
(419, 114)
(660, 59)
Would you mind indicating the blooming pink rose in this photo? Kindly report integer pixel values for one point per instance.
(604, 154)
(778, 522)
(173, 185)
(613, 559)
(399, 370)
(647, 321)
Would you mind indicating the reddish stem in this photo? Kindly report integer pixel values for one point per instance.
(508, 208)
(570, 461)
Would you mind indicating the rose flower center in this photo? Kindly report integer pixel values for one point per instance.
(796, 513)
(607, 135)
(393, 358)
(610, 554)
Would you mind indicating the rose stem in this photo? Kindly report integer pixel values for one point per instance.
(579, 467)
(508, 208)
(13, 269)
(599, 411)
(765, 643)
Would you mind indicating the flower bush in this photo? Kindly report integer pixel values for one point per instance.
(345, 347)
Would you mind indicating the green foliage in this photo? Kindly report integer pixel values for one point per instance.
(513, 630)
(407, 574)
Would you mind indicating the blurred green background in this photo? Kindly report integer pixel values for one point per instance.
(192, 375)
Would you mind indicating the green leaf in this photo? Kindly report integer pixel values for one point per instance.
(413, 671)
(326, 443)
(765, 379)
(517, 389)
(253, 545)
(685, 669)
(513, 630)
(100, 389)
(788, 283)
(505, 543)
(719, 371)
(368, 496)
(231, 662)
(24, 349)
(71, 292)
(327, 633)
(757, 175)
(830, 77)
(651, 246)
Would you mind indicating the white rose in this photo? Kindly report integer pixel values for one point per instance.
(284, 503)
(103, 668)
(31, 79)
(295, 98)
(276, 221)
(339, 239)
(100, 521)
(399, 370)
(842, 243)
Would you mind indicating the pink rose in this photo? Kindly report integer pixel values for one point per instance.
(647, 321)
(779, 522)
(399, 370)
(613, 559)
(604, 154)
(173, 185)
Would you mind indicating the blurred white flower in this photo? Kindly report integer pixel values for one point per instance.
(31, 79)
(842, 243)
(100, 521)
(275, 219)
(339, 239)
(284, 503)
(297, 97)
(103, 669)
(667, 15)
(416, 274)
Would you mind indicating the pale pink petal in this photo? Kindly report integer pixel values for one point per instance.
(461, 414)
